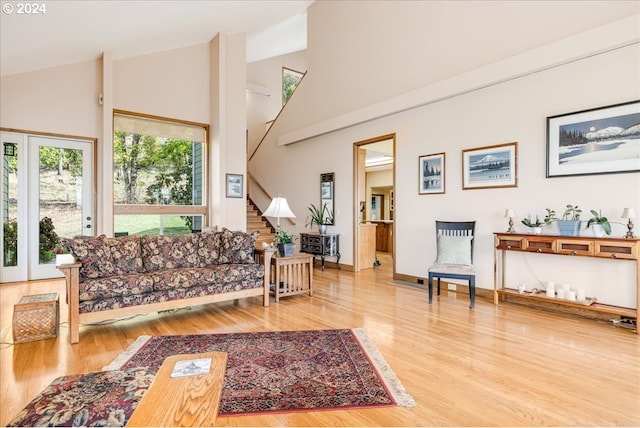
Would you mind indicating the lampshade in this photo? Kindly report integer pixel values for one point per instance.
(510, 213)
(628, 213)
(279, 208)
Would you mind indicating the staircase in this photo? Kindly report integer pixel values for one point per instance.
(255, 222)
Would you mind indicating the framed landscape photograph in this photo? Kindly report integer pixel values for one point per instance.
(490, 166)
(431, 174)
(598, 141)
(234, 185)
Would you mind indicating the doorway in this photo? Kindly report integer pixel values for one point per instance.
(47, 192)
(374, 191)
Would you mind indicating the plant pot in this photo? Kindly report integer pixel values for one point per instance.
(569, 227)
(65, 259)
(536, 230)
(322, 228)
(598, 230)
(286, 250)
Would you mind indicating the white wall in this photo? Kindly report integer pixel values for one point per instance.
(264, 95)
(175, 84)
(172, 83)
(61, 100)
(514, 110)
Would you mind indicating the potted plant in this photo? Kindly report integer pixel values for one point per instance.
(320, 216)
(601, 225)
(535, 225)
(570, 223)
(286, 246)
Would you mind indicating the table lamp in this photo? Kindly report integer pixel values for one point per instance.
(510, 213)
(629, 213)
(279, 208)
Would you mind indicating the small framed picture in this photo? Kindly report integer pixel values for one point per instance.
(234, 185)
(603, 140)
(431, 174)
(490, 166)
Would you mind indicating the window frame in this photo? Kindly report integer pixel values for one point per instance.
(156, 209)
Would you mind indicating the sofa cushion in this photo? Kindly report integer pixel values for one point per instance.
(170, 251)
(233, 272)
(209, 248)
(114, 286)
(166, 279)
(237, 247)
(102, 257)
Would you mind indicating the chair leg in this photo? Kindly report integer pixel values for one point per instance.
(430, 282)
(472, 291)
(438, 286)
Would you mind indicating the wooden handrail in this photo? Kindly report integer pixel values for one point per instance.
(274, 121)
(264, 191)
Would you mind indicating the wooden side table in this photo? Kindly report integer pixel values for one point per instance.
(292, 275)
(182, 401)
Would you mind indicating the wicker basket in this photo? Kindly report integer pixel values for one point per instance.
(36, 317)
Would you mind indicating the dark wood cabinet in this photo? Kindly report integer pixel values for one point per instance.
(323, 245)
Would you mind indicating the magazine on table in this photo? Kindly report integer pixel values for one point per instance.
(193, 367)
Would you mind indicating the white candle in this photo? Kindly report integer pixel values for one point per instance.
(551, 292)
(581, 295)
(560, 293)
(571, 295)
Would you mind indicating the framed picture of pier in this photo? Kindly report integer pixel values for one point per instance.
(603, 140)
(431, 174)
(490, 166)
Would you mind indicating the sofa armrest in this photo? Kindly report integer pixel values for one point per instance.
(72, 275)
(264, 256)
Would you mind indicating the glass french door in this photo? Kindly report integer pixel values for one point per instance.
(48, 194)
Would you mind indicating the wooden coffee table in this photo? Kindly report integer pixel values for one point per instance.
(182, 401)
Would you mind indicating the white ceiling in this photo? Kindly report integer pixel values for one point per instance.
(71, 31)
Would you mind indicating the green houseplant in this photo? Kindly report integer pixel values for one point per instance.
(600, 224)
(320, 216)
(570, 223)
(284, 240)
(537, 224)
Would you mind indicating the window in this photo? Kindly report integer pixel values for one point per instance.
(290, 80)
(159, 175)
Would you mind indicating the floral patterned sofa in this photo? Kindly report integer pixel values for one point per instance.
(131, 275)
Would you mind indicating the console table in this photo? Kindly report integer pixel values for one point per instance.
(621, 249)
(323, 245)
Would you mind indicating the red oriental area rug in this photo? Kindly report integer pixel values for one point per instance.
(284, 371)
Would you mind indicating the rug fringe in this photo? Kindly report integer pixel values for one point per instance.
(394, 385)
(127, 353)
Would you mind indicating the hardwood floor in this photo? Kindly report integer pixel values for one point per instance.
(491, 366)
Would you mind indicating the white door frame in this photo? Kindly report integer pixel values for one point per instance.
(28, 204)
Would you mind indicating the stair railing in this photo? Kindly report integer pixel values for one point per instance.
(253, 185)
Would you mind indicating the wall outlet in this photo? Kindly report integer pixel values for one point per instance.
(451, 287)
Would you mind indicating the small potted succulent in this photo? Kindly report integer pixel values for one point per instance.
(284, 240)
(601, 225)
(536, 225)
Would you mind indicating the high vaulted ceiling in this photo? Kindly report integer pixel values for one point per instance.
(65, 32)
